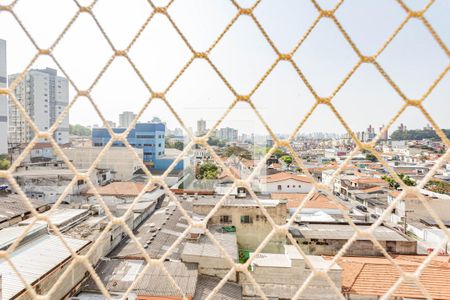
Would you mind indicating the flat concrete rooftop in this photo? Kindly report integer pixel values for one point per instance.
(345, 232)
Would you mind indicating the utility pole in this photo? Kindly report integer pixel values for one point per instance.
(405, 218)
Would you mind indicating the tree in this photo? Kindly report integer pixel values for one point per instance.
(237, 151)
(207, 171)
(287, 159)
(438, 186)
(395, 185)
(261, 151)
(278, 153)
(216, 142)
(178, 145)
(417, 134)
(4, 164)
(371, 157)
(79, 130)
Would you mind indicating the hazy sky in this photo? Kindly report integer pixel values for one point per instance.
(413, 60)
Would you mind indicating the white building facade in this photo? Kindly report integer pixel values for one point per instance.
(126, 118)
(227, 134)
(201, 127)
(44, 95)
(3, 100)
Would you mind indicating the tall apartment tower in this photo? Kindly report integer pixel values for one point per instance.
(126, 118)
(44, 95)
(385, 135)
(228, 134)
(201, 127)
(3, 101)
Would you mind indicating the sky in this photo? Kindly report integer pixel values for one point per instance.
(413, 60)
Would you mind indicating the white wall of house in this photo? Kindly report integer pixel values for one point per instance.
(286, 186)
(118, 159)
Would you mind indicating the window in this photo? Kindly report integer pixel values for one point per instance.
(225, 219)
(293, 186)
(288, 186)
(246, 220)
(279, 187)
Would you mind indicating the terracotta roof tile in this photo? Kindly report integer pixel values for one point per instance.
(373, 189)
(285, 176)
(235, 172)
(375, 276)
(318, 201)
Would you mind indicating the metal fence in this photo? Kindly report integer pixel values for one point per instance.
(156, 95)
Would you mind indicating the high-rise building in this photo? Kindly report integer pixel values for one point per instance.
(402, 128)
(227, 134)
(126, 118)
(385, 135)
(370, 134)
(201, 127)
(112, 124)
(3, 101)
(44, 95)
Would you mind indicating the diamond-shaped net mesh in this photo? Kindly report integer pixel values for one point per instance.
(160, 95)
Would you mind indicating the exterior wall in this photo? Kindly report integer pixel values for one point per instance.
(163, 164)
(250, 236)
(43, 153)
(3, 100)
(44, 95)
(126, 118)
(358, 248)
(147, 136)
(212, 266)
(287, 186)
(116, 159)
(415, 206)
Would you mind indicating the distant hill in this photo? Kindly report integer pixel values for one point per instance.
(79, 130)
(417, 134)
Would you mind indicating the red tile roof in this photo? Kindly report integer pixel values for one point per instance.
(235, 172)
(373, 189)
(369, 180)
(374, 276)
(318, 201)
(408, 196)
(285, 176)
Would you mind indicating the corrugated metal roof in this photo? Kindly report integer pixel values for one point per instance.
(205, 285)
(13, 206)
(345, 232)
(35, 259)
(10, 234)
(59, 216)
(206, 248)
(118, 274)
(160, 230)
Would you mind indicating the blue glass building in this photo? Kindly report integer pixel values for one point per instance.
(147, 136)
